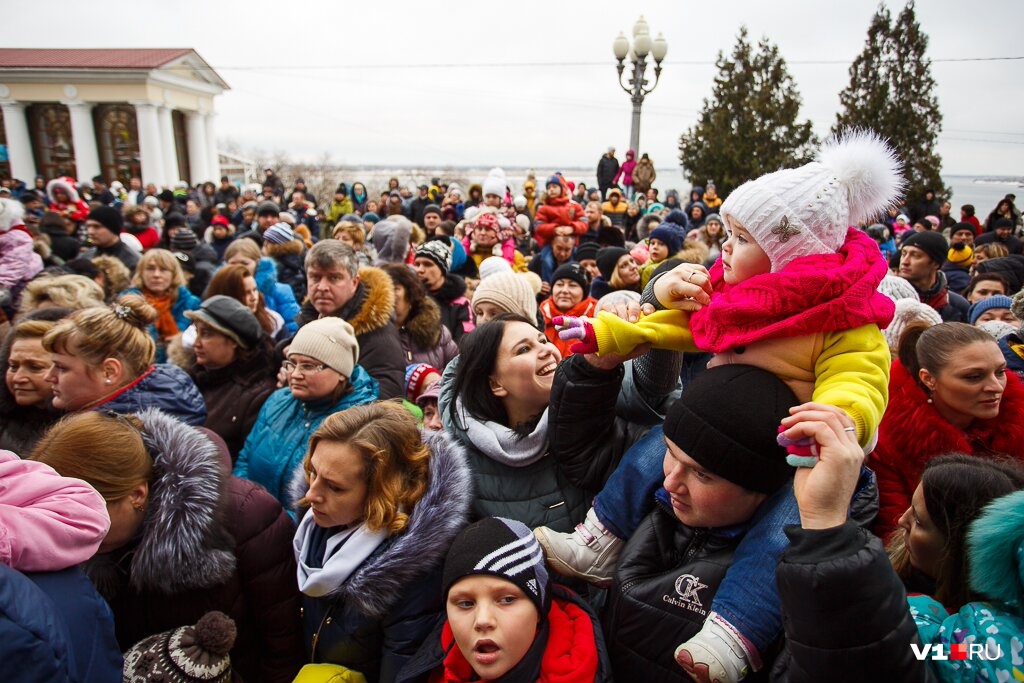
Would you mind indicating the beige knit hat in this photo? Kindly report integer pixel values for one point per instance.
(803, 211)
(908, 311)
(332, 341)
(508, 291)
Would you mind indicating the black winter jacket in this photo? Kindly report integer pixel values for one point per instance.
(844, 610)
(455, 307)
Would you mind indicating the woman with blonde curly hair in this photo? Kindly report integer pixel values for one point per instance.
(354, 235)
(103, 360)
(60, 291)
(159, 279)
(392, 498)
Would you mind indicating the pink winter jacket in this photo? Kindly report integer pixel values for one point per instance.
(47, 522)
(18, 260)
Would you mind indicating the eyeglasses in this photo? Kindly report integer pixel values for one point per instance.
(304, 368)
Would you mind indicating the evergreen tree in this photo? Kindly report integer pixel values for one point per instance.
(749, 127)
(892, 92)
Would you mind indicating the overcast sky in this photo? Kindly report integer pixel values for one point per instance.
(313, 77)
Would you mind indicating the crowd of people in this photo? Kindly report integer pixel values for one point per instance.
(512, 434)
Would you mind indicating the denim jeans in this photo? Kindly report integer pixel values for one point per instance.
(628, 495)
(748, 598)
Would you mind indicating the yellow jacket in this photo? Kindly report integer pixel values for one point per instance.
(848, 369)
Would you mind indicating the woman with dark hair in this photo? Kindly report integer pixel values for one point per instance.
(495, 399)
(237, 283)
(984, 285)
(418, 319)
(391, 498)
(185, 537)
(1004, 209)
(949, 392)
(233, 368)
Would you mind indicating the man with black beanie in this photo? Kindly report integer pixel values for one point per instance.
(103, 225)
(921, 257)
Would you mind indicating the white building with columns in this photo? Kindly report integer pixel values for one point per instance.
(117, 113)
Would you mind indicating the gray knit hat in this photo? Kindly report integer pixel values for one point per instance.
(330, 340)
(230, 317)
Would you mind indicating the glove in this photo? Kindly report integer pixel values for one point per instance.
(800, 452)
(570, 328)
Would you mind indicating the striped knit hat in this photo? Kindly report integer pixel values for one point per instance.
(504, 548)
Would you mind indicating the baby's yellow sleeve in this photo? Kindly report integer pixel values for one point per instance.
(669, 329)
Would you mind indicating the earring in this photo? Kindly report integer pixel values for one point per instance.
(110, 381)
(138, 507)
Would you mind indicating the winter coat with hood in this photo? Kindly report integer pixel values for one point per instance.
(74, 207)
(371, 313)
(625, 173)
(558, 211)
(912, 432)
(209, 541)
(165, 387)
(55, 629)
(643, 174)
(568, 644)
(19, 262)
(1012, 346)
(288, 259)
(234, 395)
(278, 296)
(64, 245)
(424, 339)
(995, 541)
(456, 314)
(376, 620)
(277, 443)
(607, 169)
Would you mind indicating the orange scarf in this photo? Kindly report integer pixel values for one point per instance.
(165, 325)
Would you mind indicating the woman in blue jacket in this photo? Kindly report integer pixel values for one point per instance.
(160, 280)
(278, 297)
(323, 378)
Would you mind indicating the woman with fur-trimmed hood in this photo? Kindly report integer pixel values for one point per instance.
(392, 498)
(185, 537)
(64, 199)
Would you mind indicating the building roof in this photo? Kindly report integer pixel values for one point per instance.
(127, 58)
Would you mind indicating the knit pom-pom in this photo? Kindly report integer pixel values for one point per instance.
(995, 545)
(676, 217)
(868, 168)
(215, 632)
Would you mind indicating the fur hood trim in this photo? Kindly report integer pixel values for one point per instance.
(66, 184)
(401, 560)
(996, 544)
(292, 247)
(425, 326)
(913, 427)
(378, 306)
(184, 545)
(692, 252)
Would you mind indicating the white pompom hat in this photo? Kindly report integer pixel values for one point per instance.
(807, 210)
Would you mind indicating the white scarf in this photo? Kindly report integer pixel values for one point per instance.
(359, 543)
(502, 444)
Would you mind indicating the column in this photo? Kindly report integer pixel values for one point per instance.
(150, 150)
(212, 157)
(19, 142)
(167, 146)
(83, 135)
(197, 147)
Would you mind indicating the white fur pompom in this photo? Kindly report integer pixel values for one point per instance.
(867, 167)
(12, 212)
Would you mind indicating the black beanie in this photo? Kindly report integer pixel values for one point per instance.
(728, 420)
(174, 220)
(932, 243)
(107, 216)
(606, 260)
(574, 272)
(587, 250)
(504, 548)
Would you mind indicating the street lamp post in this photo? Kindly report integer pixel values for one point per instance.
(642, 47)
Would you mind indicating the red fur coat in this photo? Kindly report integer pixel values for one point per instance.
(912, 432)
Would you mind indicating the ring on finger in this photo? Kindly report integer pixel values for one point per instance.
(850, 429)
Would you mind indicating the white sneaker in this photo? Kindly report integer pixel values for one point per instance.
(590, 553)
(718, 653)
